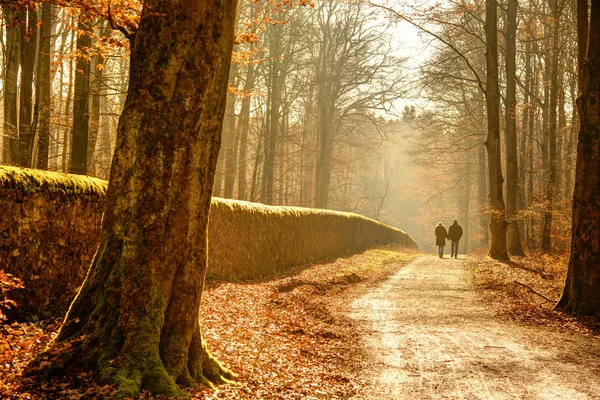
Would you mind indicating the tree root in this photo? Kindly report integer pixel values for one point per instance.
(534, 292)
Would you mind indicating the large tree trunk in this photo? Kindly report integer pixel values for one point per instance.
(582, 284)
(498, 223)
(81, 104)
(44, 84)
(28, 50)
(512, 167)
(10, 139)
(135, 319)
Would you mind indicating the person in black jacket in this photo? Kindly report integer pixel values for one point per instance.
(455, 232)
(440, 238)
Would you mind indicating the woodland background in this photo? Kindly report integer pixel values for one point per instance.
(324, 110)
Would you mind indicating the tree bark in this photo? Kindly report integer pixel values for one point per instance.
(135, 319)
(10, 140)
(498, 223)
(552, 120)
(582, 283)
(274, 114)
(512, 165)
(95, 100)
(81, 104)
(44, 83)
(28, 49)
(243, 128)
(523, 199)
(229, 151)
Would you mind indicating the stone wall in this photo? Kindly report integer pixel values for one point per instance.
(250, 240)
(50, 227)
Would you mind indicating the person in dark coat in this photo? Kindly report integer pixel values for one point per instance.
(455, 232)
(440, 238)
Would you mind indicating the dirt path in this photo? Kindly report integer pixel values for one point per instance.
(432, 338)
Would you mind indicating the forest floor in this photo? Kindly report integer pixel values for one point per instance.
(286, 337)
(457, 328)
(381, 324)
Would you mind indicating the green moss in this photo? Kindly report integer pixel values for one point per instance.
(34, 180)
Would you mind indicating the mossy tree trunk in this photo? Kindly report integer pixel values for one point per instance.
(135, 319)
(582, 283)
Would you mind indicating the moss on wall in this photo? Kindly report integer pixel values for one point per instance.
(50, 228)
(249, 240)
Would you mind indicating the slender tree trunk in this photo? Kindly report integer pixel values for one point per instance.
(243, 128)
(10, 151)
(552, 117)
(28, 50)
(229, 137)
(272, 136)
(95, 100)
(484, 218)
(135, 319)
(572, 138)
(81, 105)
(560, 136)
(512, 167)
(582, 283)
(498, 222)
(530, 136)
(44, 83)
(523, 199)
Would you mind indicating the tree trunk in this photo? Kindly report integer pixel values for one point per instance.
(512, 167)
(498, 223)
(243, 128)
(272, 135)
(10, 140)
(44, 83)
(28, 50)
(523, 199)
(530, 136)
(582, 284)
(135, 319)
(552, 119)
(95, 100)
(81, 105)
(229, 137)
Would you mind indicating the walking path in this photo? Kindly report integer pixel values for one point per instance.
(432, 338)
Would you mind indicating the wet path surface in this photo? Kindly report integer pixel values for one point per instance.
(430, 337)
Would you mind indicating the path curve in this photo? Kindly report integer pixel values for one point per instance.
(431, 337)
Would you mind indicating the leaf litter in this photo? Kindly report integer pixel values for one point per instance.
(285, 337)
(526, 290)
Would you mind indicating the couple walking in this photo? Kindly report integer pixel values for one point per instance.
(454, 233)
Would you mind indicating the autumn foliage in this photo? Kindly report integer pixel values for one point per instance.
(286, 337)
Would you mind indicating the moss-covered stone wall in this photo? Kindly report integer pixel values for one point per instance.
(50, 228)
(249, 240)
